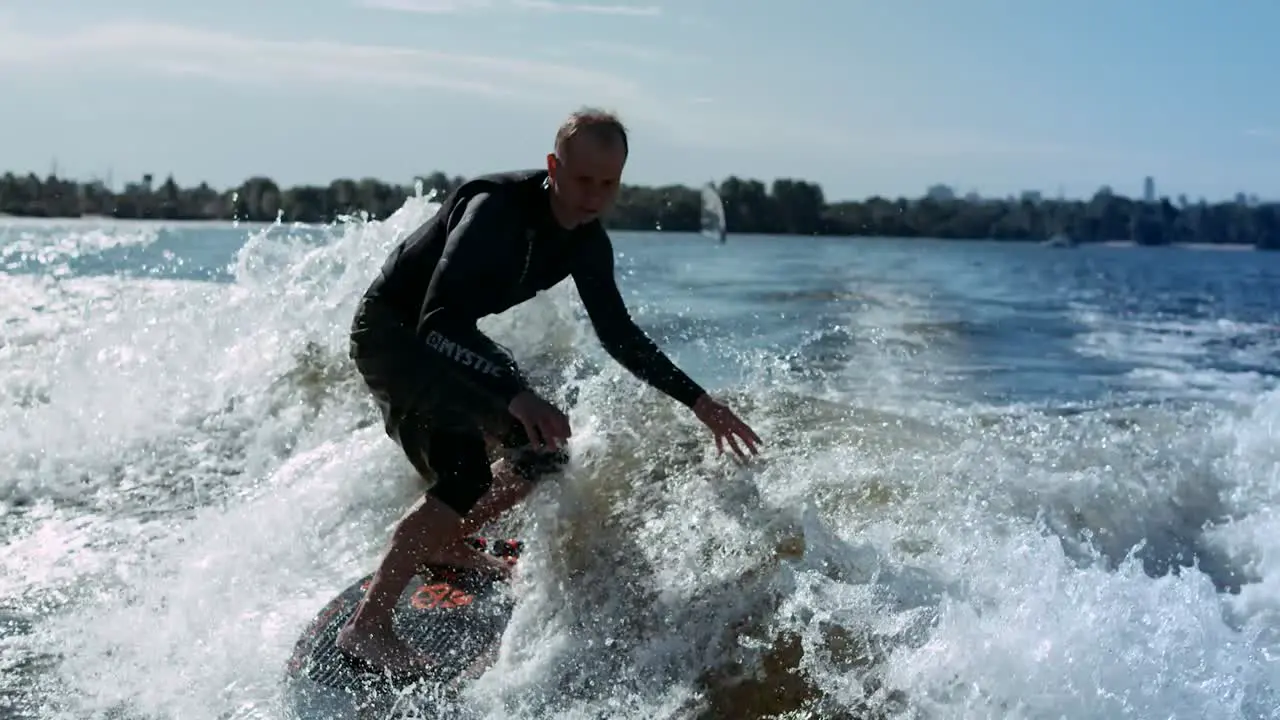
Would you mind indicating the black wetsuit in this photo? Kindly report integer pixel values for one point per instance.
(439, 382)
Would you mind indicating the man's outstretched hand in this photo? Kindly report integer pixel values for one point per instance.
(726, 426)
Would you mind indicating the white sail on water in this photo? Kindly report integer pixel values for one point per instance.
(713, 219)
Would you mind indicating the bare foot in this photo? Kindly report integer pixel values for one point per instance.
(382, 649)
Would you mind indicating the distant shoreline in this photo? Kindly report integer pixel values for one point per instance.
(785, 207)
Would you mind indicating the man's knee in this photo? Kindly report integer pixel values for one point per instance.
(462, 491)
(461, 495)
(461, 468)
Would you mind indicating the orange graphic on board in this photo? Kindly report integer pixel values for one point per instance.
(439, 595)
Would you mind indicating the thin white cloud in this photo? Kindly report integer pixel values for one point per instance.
(1266, 134)
(335, 67)
(563, 7)
(177, 50)
(544, 6)
(430, 7)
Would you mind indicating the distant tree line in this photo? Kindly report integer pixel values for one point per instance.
(787, 207)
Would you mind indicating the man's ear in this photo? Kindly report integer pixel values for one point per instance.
(551, 165)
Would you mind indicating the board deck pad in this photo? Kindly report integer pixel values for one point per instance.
(454, 616)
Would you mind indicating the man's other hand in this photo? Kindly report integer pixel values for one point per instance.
(726, 426)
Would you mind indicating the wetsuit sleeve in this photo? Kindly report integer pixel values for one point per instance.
(618, 333)
(478, 242)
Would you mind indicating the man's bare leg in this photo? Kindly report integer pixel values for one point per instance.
(509, 488)
(430, 532)
(369, 634)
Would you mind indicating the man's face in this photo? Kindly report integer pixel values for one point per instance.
(586, 177)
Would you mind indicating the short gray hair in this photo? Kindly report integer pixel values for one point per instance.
(601, 124)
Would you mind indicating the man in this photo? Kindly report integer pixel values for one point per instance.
(443, 387)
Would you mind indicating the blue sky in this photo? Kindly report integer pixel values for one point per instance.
(863, 97)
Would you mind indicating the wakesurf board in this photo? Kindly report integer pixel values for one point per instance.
(454, 616)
